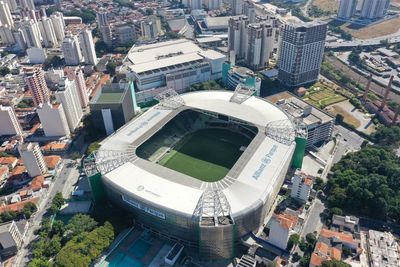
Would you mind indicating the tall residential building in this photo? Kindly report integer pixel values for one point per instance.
(31, 33)
(68, 96)
(5, 14)
(47, 31)
(213, 4)
(282, 226)
(76, 74)
(12, 4)
(19, 39)
(150, 27)
(9, 122)
(6, 35)
(237, 7)
(301, 52)
(260, 43)
(71, 51)
(193, 4)
(87, 47)
(53, 120)
(249, 10)
(104, 27)
(374, 9)
(237, 36)
(58, 23)
(27, 4)
(37, 86)
(125, 33)
(33, 159)
(302, 185)
(347, 8)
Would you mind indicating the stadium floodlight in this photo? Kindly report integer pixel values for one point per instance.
(212, 204)
(170, 99)
(282, 131)
(104, 161)
(241, 94)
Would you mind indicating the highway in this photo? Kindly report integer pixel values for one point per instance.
(350, 44)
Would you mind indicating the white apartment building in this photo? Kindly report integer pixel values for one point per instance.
(5, 14)
(193, 4)
(6, 35)
(12, 4)
(31, 33)
(237, 37)
(249, 10)
(87, 47)
(53, 120)
(19, 39)
(9, 122)
(33, 159)
(27, 4)
(301, 187)
(104, 27)
(47, 31)
(213, 4)
(71, 51)
(172, 64)
(68, 96)
(301, 51)
(150, 27)
(237, 7)
(282, 226)
(58, 23)
(347, 9)
(374, 9)
(76, 74)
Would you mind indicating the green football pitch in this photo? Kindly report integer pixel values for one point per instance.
(207, 154)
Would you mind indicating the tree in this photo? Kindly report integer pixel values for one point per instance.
(53, 247)
(93, 147)
(335, 263)
(4, 71)
(29, 209)
(58, 228)
(53, 62)
(387, 136)
(80, 223)
(39, 262)
(101, 48)
(149, 11)
(75, 156)
(294, 239)
(354, 57)
(310, 237)
(111, 66)
(305, 261)
(57, 203)
(339, 118)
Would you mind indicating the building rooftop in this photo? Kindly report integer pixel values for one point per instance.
(298, 108)
(110, 98)
(384, 250)
(323, 252)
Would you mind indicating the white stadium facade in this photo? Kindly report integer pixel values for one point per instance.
(210, 217)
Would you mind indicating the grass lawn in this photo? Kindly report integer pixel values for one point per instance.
(207, 154)
(321, 96)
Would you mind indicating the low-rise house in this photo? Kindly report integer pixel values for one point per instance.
(346, 223)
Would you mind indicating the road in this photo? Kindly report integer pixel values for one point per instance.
(66, 173)
(349, 141)
(350, 44)
(313, 222)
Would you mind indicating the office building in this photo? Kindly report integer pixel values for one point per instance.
(237, 7)
(37, 86)
(125, 33)
(31, 33)
(301, 52)
(347, 9)
(76, 74)
(68, 96)
(9, 122)
(5, 14)
(87, 46)
(319, 124)
(47, 31)
(104, 27)
(150, 27)
(33, 159)
(237, 38)
(113, 106)
(53, 120)
(171, 64)
(71, 51)
(301, 186)
(11, 238)
(374, 9)
(6, 35)
(232, 76)
(58, 24)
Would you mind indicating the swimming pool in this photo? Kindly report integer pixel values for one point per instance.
(122, 260)
(139, 248)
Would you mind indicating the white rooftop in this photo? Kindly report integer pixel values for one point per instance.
(254, 182)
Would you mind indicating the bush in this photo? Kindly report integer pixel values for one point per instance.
(294, 239)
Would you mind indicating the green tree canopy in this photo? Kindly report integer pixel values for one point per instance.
(335, 263)
(80, 223)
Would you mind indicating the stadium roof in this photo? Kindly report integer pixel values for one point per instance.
(251, 180)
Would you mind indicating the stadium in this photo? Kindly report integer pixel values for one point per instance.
(201, 169)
